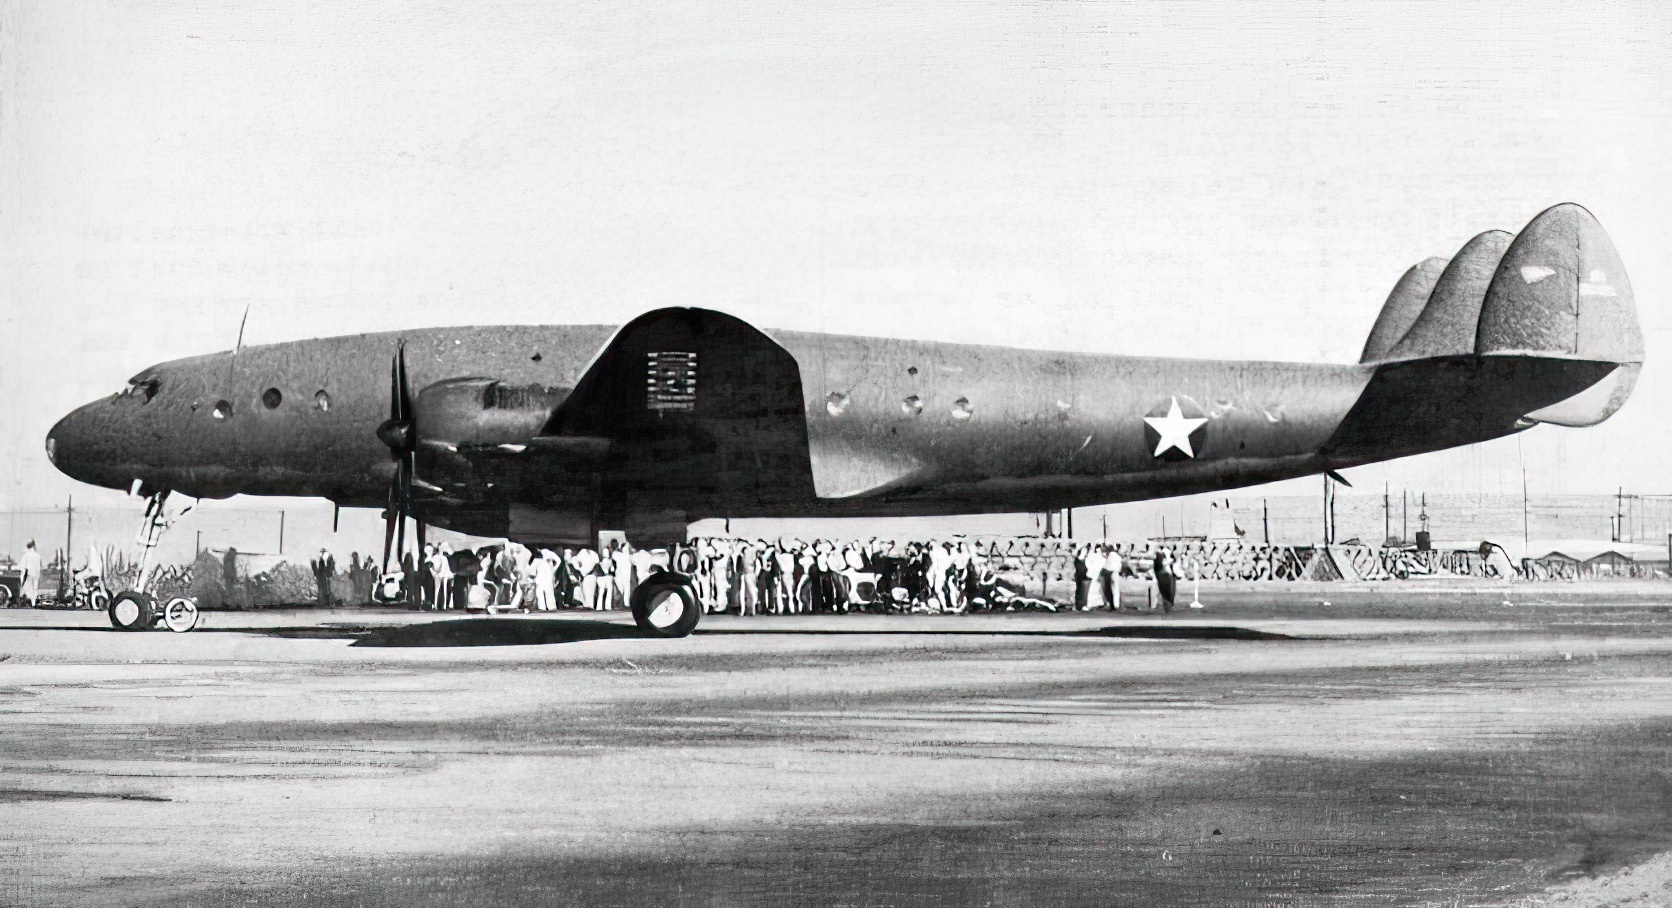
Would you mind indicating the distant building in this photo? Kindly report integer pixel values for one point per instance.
(1587, 558)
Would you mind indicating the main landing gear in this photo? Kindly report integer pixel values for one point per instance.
(666, 604)
(137, 610)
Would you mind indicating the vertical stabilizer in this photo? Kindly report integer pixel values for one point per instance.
(1448, 323)
(1403, 305)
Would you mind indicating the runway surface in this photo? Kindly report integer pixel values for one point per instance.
(1418, 747)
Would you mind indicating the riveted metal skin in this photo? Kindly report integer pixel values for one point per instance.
(548, 434)
(1035, 430)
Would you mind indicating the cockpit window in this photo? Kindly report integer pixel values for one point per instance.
(142, 386)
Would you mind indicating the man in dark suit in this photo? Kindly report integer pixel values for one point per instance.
(324, 568)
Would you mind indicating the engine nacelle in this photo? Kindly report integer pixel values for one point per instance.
(483, 412)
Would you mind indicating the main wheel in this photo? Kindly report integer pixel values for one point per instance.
(132, 611)
(98, 599)
(180, 614)
(666, 605)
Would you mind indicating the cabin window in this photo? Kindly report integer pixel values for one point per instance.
(222, 410)
(961, 408)
(271, 398)
(322, 402)
(836, 404)
(912, 405)
(671, 380)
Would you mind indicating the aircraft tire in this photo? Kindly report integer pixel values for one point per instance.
(180, 615)
(132, 611)
(666, 605)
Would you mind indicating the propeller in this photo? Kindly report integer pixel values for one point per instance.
(400, 434)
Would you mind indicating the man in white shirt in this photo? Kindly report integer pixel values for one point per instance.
(621, 567)
(545, 581)
(586, 568)
(1091, 561)
(1111, 577)
(31, 573)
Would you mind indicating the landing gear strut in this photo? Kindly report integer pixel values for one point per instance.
(666, 604)
(136, 609)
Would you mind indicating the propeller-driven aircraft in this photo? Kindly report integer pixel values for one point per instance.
(550, 434)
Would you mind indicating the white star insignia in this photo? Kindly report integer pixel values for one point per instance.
(1174, 429)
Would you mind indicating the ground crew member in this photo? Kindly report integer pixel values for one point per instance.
(1111, 577)
(324, 568)
(31, 573)
(1165, 583)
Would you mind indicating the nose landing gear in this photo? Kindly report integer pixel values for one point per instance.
(136, 609)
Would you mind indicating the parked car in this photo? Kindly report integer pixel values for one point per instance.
(11, 583)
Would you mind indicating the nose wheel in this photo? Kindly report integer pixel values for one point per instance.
(666, 604)
(132, 611)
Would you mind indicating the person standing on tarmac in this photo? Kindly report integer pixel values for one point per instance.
(31, 573)
(1090, 564)
(1166, 584)
(621, 569)
(1111, 577)
(324, 568)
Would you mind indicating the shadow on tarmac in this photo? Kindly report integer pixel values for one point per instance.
(522, 632)
(514, 632)
(1137, 632)
(498, 632)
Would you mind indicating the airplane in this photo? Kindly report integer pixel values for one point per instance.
(547, 435)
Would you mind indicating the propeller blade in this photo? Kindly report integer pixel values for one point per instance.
(388, 535)
(395, 389)
(420, 557)
(403, 388)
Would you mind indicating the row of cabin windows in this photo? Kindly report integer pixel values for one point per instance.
(271, 399)
(837, 404)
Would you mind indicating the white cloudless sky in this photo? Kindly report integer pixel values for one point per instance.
(1235, 180)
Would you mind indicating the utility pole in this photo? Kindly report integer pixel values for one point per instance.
(281, 532)
(1070, 522)
(1619, 515)
(69, 528)
(1526, 520)
(1265, 521)
(1387, 513)
(1329, 510)
(1404, 516)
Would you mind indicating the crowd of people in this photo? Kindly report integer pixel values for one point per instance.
(759, 577)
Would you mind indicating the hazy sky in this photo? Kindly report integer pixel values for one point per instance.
(1201, 179)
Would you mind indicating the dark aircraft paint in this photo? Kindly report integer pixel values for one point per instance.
(548, 434)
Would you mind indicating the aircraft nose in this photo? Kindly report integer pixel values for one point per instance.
(74, 448)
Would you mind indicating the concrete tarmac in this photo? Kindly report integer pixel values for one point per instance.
(1403, 745)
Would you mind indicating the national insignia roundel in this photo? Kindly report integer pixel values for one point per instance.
(1174, 429)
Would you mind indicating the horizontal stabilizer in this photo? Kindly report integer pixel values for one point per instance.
(1404, 304)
